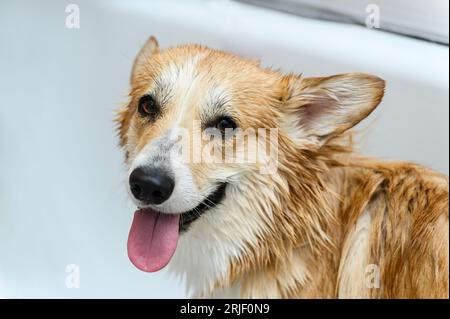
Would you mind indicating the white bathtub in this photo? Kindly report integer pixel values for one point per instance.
(62, 190)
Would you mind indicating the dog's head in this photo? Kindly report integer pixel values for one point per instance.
(194, 166)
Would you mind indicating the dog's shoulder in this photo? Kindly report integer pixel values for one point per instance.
(406, 186)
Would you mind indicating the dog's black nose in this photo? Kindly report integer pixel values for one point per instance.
(151, 186)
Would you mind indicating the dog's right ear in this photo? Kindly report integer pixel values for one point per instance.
(150, 48)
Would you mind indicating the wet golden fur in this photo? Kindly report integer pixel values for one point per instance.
(327, 214)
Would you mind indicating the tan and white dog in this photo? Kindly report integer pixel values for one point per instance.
(325, 224)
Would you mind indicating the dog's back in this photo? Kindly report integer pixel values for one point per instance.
(396, 234)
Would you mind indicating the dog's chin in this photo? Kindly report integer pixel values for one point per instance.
(188, 217)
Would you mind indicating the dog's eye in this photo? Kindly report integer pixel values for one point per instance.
(225, 123)
(148, 106)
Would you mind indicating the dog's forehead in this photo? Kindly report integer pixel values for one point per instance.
(194, 78)
(181, 71)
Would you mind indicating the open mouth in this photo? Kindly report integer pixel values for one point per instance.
(153, 235)
(211, 201)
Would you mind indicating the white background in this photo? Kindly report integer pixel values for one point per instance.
(62, 184)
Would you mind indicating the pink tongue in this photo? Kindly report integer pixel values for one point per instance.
(152, 240)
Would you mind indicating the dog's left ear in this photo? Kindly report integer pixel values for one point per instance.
(317, 109)
(151, 47)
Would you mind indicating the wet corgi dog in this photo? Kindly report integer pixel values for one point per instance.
(293, 214)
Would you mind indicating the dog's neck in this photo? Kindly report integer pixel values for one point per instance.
(301, 241)
(304, 244)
